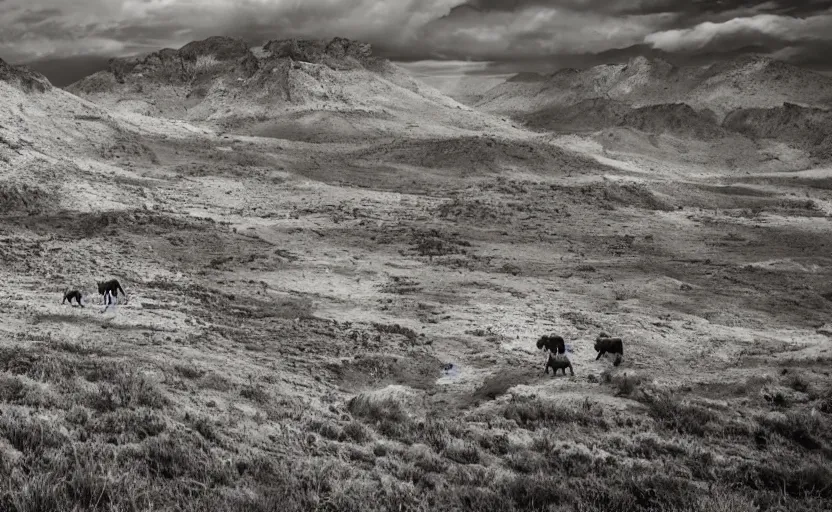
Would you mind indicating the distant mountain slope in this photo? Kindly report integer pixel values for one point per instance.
(59, 151)
(745, 82)
(597, 114)
(466, 89)
(292, 81)
(808, 128)
(39, 121)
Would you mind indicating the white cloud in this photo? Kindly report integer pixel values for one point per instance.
(739, 32)
(536, 32)
(445, 67)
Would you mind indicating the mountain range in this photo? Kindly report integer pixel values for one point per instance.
(338, 91)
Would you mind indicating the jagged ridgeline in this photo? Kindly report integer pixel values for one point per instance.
(750, 81)
(23, 78)
(326, 84)
(48, 140)
(745, 101)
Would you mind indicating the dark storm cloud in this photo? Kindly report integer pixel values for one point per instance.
(64, 71)
(33, 17)
(544, 33)
(641, 7)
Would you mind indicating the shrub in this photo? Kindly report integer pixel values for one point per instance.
(396, 329)
(255, 393)
(29, 435)
(356, 432)
(189, 372)
(128, 389)
(800, 427)
(377, 410)
(794, 478)
(130, 425)
(533, 413)
(672, 414)
(215, 381)
(177, 455)
(535, 492)
(625, 385)
(463, 452)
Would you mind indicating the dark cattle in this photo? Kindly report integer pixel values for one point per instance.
(554, 344)
(73, 294)
(558, 363)
(604, 344)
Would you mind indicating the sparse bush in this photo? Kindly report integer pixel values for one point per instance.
(215, 381)
(79, 349)
(496, 444)
(651, 446)
(824, 399)
(425, 459)
(176, 455)
(15, 390)
(129, 425)
(327, 429)
(535, 491)
(128, 389)
(674, 415)
(377, 410)
(396, 329)
(356, 432)
(78, 415)
(495, 386)
(12, 389)
(189, 371)
(660, 492)
(29, 435)
(255, 392)
(526, 462)
(206, 429)
(387, 416)
(463, 452)
(434, 433)
(625, 385)
(204, 63)
(533, 413)
(797, 382)
(361, 455)
(800, 427)
(795, 478)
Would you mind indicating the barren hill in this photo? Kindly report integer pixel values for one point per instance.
(810, 128)
(327, 90)
(596, 114)
(58, 151)
(746, 82)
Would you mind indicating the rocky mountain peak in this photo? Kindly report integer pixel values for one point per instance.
(23, 78)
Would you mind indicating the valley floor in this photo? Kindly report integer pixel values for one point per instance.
(292, 307)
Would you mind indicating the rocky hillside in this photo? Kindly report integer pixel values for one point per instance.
(809, 128)
(746, 82)
(756, 99)
(597, 114)
(60, 152)
(23, 78)
(38, 121)
(333, 88)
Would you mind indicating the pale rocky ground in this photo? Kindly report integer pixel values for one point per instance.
(265, 276)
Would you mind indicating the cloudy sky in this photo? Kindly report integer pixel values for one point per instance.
(64, 38)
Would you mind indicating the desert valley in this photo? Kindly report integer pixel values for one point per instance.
(337, 274)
